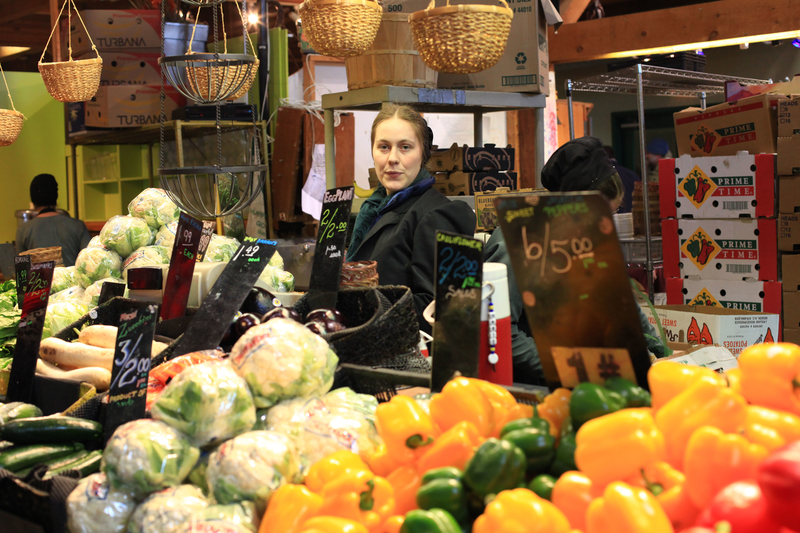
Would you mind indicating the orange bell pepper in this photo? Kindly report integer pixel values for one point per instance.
(680, 509)
(332, 466)
(714, 460)
(572, 494)
(521, 410)
(619, 445)
(289, 507)
(502, 403)
(771, 376)
(734, 378)
(521, 511)
(380, 461)
(404, 427)
(625, 509)
(454, 448)
(360, 496)
(405, 481)
(657, 477)
(555, 409)
(461, 399)
(392, 524)
(705, 403)
(332, 524)
(668, 379)
(771, 428)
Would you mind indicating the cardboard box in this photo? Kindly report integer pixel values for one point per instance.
(487, 181)
(789, 155)
(715, 357)
(117, 29)
(791, 335)
(721, 249)
(789, 116)
(729, 328)
(790, 272)
(452, 183)
(129, 68)
(789, 232)
(129, 106)
(759, 296)
(485, 211)
(789, 137)
(524, 66)
(791, 310)
(471, 158)
(717, 187)
(746, 125)
(788, 194)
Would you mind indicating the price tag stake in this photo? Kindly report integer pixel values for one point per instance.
(592, 365)
(109, 290)
(22, 266)
(181, 267)
(205, 239)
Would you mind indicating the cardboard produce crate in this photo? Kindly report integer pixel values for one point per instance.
(485, 211)
(451, 183)
(471, 159)
(789, 136)
(789, 232)
(117, 29)
(759, 296)
(729, 250)
(129, 68)
(718, 187)
(129, 106)
(790, 272)
(789, 194)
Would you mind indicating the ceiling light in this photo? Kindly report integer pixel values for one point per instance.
(252, 18)
(744, 46)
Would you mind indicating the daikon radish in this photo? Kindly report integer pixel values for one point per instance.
(99, 377)
(106, 337)
(75, 354)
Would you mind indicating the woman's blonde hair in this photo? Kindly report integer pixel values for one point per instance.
(419, 125)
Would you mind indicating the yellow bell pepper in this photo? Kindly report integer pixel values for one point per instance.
(380, 461)
(289, 507)
(405, 481)
(658, 478)
(619, 445)
(521, 511)
(771, 428)
(404, 427)
(625, 509)
(715, 459)
(680, 509)
(668, 379)
(461, 399)
(572, 494)
(360, 496)
(555, 409)
(766, 437)
(771, 376)
(454, 447)
(734, 379)
(332, 524)
(521, 410)
(705, 403)
(331, 467)
(392, 524)
(502, 403)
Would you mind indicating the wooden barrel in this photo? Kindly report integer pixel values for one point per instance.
(637, 209)
(391, 60)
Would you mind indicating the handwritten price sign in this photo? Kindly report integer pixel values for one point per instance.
(181, 267)
(326, 269)
(592, 365)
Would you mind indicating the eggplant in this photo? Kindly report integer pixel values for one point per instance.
(322, 315)
(281, 312)
(258, 302)
(245, 322)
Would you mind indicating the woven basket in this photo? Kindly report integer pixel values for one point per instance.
(340, 28)
(42, 255)
(71, 81)
(359, 274)
(461, 39)
(10, 119)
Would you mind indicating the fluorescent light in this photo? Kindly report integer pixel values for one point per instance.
(6, 51)
(252, 18)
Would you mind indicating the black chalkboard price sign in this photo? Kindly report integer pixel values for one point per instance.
(571, 274)
(456, 332)
(127, 395)
(205, 239)
(22, 266)
(326, 270)
(29, 334)
(181, 267)
(7, 254)
(109, 290)
(212, 319)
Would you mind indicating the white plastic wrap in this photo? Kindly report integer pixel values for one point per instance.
(124, 234)
(96, 507)
(95, 263)
(167, 510)
(155, 207)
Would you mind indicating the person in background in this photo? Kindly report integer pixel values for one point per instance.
(579, 165)
(628, 177)
(656, 150)
(397, 225)
(49, 227)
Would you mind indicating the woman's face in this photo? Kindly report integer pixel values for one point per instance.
(397, 154)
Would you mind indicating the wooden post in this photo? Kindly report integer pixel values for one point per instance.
(56, 42)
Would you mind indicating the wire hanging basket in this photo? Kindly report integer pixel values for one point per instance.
(461, 39)
(71, 81)
(340, 28)
(10, 119)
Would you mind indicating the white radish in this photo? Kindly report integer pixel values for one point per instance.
(75, 354)
(106, 337)
(99, 377)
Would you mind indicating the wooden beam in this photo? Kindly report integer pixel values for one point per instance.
(54, 22)
(571, 10)
(683, 28)
(14, 9)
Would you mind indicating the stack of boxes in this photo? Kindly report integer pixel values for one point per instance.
(466, 170)
(789, 213)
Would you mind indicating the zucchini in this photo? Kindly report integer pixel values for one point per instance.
(85, 466)
(16, 459)
(16, 410)
(55, 463)
(50, 430)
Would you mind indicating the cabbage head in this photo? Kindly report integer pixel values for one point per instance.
(155, 207)
(124, 234)
(95, 263)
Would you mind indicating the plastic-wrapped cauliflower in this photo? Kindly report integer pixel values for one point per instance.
(95, 263)
(96, 241)
(280, 280)
(91, 296)
(251, 466)
(213, 526)
(73, 294)
(220, 249)
(145, 455)
(167, 510)
(166, 235)
(96, 507)
(124, 234)
(339, 401)
(276, 261)
(59, 315)
(64, 278)
(155, 207)
(209, 403)
(282, 359)
(346, 399)
(148, 256)
(241, 513)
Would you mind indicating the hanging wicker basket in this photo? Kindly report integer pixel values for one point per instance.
(71, 81)
(10, 119)
(340, 28)
(461, 39)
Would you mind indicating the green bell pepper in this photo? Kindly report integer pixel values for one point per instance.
(496, 466)
(590, 401)
(566, 427)
(565, 456)
(536, 422)
(446, 494)
(633, 394)
(445, 472)
(434, 521)
(538, 447)
(542, 485)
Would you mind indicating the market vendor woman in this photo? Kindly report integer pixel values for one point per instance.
(397, 225)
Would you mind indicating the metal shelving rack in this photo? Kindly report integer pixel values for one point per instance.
(650, 80)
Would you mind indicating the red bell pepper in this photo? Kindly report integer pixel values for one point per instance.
(779, 479)
(743, 506)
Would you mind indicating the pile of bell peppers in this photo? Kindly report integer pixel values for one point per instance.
(707, 452)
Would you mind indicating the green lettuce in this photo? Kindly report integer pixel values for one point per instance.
(155, 207)
(124, 234)
(96, 263)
